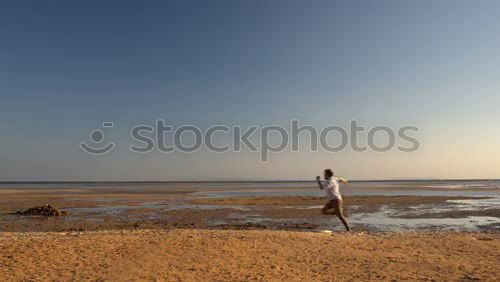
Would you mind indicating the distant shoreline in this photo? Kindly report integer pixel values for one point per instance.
(245, 181)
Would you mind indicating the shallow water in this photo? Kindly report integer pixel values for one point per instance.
(349, 191)
(115, 209)
(409, 184)
(204, 207)
(387, 220)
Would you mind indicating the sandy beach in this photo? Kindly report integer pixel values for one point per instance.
(168, 234)
(227, 255)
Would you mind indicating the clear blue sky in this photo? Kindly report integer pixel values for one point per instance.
(67, 66)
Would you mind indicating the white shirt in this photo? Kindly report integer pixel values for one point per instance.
(331, 188)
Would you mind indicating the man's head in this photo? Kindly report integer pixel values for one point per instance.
(328, 173)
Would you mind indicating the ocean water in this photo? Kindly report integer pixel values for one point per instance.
(478, 188)
(490, 188)
(406, 184)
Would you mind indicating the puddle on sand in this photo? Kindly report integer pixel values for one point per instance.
(217, 222)
(352, 191)
(386, 220)
(242, 215)
(248, 217)
(101, 199)
(451, 206)
(94, 219)
(203, 207)
(477, 203)
(115, 209)
(303, 207)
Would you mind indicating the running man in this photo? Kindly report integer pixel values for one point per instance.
(334, 204)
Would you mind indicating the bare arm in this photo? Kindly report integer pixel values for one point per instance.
(320, 183)
(343, 180)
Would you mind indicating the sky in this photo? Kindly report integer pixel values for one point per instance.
(68, 66)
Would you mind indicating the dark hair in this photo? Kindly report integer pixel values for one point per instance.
(328, 172)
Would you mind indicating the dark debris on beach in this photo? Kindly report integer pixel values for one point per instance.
(45, 210)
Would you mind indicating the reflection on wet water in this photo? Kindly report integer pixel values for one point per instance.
(349, 191)
(477, 203)
(99, 199)
(386, 218)
(114, 209)
(204, 207)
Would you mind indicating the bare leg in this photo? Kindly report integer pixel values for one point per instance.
(340, 215)
(327, 209)
(344, 221)
(336, 208)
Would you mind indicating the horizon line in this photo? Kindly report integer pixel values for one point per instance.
(249, 181)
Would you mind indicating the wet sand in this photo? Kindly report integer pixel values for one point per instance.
(314, 200)
(12, 199)
(227, 255)
(168, 208)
